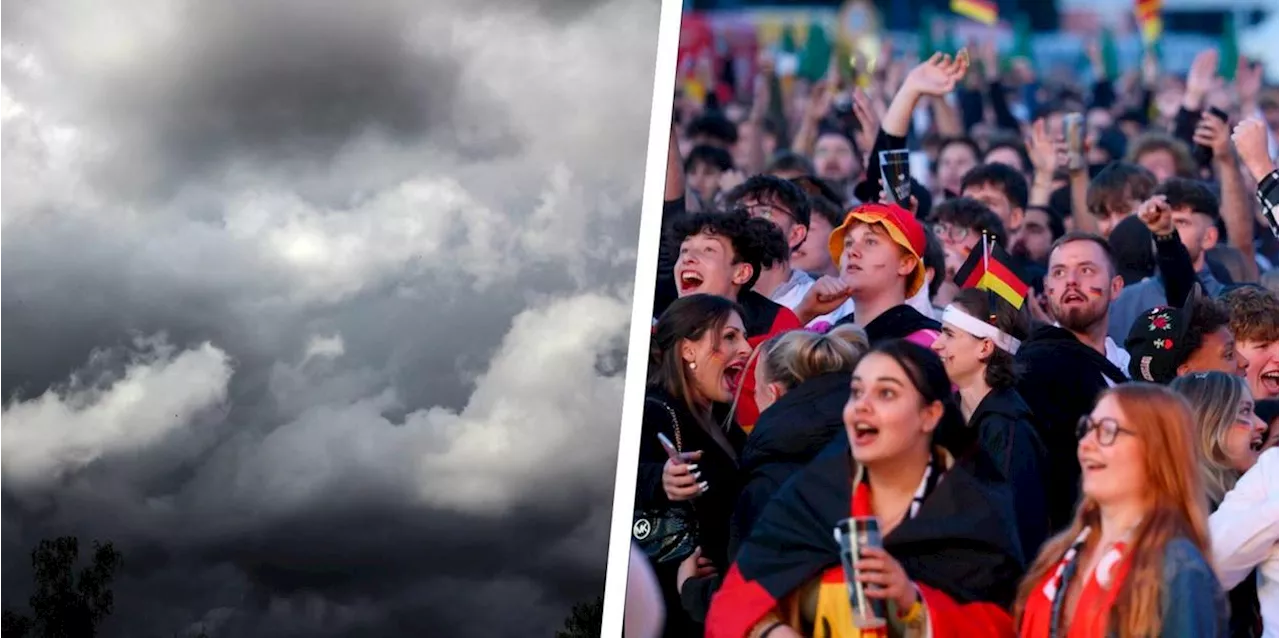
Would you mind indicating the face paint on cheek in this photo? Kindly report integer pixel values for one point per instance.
(1096, 292)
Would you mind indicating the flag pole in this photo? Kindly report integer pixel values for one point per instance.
(986, 270)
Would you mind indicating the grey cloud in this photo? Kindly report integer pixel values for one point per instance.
(453, 208)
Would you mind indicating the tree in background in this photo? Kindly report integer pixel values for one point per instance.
(584, 621)
(66, 604)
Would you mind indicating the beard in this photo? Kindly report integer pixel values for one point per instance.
(1079, 318)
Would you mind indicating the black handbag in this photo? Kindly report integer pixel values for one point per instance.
(668, 534)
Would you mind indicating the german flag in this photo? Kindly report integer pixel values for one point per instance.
(988, 268)
(983, 11)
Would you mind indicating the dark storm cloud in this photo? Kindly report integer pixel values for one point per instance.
(331, 298)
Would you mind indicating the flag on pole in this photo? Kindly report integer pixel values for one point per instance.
(1150, 22)
(988, 268)
(925, 37)
(1021, 38)
(815, 57)
(1110, 57)
(983, 11)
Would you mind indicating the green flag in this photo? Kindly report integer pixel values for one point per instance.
(1229, 49)
(816, 55)
(1022, 38)
(1110, 58)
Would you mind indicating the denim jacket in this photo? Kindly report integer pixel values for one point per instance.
(1194, 603)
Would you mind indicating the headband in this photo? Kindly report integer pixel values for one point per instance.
(980, 329)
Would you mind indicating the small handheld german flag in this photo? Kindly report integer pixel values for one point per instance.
(989, 269)
(983, 11)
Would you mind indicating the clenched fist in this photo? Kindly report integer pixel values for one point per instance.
(1250, 138)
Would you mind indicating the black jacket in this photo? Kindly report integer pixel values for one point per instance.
(788, 435)
(1061, 380)
(1002, 428)
(897, 322)
(712, 509)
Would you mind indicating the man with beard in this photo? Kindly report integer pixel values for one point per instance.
(1066, 365)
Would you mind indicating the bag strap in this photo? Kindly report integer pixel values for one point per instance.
(675, 422)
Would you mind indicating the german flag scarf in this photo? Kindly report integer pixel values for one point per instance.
(960, 549)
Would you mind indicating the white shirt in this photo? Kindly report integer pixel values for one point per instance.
(1245, 531)
(1116, 355)
(792, 292)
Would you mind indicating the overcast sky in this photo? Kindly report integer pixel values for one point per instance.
(316, 308)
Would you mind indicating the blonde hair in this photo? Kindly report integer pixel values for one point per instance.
(1162, 422)
(792, 358)
(1215, 400)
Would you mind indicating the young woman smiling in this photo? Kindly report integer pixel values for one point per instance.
(949, 562)
(1229, 439)
(980, 334)
(1132, 563)
(698, 352)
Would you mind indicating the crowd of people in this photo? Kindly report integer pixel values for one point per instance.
(1049, 373)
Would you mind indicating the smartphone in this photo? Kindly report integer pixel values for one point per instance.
(672, 452)
(1203, 154)
(1074, 133)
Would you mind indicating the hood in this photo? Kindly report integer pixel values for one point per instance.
(1006, 403)
(897, 322)
(800, 424)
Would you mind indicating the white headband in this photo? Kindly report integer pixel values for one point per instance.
(980, 329)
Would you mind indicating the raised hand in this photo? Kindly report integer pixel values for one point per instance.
(1250, 139)
(1200, 79)
(1157, 215)
(868, 118)
(1248, 82)
(1046, 154)
(1213, 133)
(938, 75)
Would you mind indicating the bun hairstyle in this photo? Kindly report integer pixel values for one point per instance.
(794, 357)
(1001, 371)
(686, 318)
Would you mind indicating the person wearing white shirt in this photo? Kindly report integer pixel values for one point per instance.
(1245, 531)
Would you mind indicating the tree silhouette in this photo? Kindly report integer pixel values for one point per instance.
(584, 621)
(66, 604)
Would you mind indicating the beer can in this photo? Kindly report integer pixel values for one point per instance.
(853, 534)
(1074, 134)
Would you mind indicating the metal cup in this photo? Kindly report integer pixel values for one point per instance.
(895, 175)
(853, 534)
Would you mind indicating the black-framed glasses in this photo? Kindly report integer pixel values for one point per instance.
(1108, 429)
(768, 212)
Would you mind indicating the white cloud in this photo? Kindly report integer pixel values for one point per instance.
(58, 433)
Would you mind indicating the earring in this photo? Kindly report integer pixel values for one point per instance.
(693, 366)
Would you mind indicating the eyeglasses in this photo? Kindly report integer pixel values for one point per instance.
(765, 211)
(1107, 429)
(947, 232)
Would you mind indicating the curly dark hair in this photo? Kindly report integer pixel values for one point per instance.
(756, 242)
(1190, 194)
(1208, 315)
(1002, 370)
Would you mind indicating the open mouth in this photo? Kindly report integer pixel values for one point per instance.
(864, 433)
(733, 375)
(1074, 297)
(689, 281)
(1270, 381)
(1257, 442)
(1092, 466)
